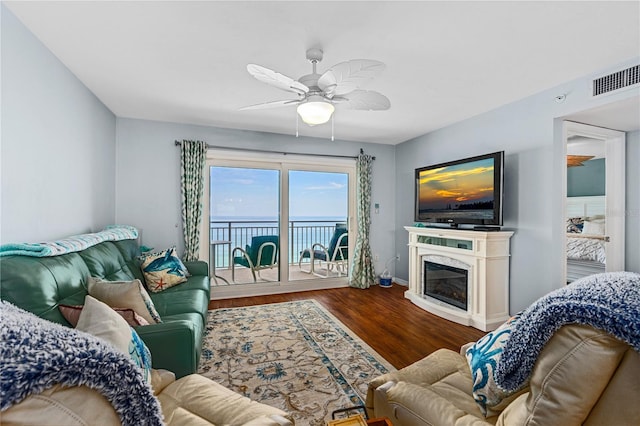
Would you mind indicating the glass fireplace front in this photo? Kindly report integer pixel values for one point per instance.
(446, 283)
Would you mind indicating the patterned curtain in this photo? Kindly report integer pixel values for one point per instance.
(192, 160)
(362, 274)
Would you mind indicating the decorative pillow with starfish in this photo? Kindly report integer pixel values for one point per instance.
(163, 270)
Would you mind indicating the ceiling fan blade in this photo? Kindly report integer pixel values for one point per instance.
(347, 76)
(367, 100)
(276, 79)
(273, 104)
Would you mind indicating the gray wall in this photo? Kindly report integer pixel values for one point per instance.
(148, 176)
(58, 145)
(587, 180)
(530, 133)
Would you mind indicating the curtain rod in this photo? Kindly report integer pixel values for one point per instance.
(178, 143)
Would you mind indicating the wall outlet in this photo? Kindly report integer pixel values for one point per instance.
(376, 257)
(397, 257)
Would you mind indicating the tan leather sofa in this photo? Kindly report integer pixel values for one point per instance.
(583, 376)
(191, 400)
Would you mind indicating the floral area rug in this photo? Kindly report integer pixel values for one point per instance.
(295, 356)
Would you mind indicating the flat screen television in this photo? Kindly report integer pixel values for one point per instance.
(466, 191)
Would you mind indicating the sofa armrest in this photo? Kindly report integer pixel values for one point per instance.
(62, 405)
(436, 388)
(197, 267)
(198, 400)
(171, 345)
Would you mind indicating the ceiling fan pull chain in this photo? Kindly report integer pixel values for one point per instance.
(332, 120)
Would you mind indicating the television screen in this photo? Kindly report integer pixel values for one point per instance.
(467, 191)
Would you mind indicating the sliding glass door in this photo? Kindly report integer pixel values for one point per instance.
(277, 225)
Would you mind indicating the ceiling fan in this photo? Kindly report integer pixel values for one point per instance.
(317, 94)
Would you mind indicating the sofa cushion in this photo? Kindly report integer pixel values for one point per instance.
(169, 303)
(131, 254)
(105, 261)
(38, 285)
(129, 249)
(163, 270)
(101, 321)
(125, 294)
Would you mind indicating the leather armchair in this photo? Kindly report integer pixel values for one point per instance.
(583, 376)
(190, 400)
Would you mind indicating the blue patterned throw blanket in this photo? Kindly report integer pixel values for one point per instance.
(608, 301)
(71, 244)
(37, 354)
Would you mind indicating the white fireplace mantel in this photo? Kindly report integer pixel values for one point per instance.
(485, 256)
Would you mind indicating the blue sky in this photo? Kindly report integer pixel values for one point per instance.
(255, 192)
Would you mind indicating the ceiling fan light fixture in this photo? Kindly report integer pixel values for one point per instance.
(316, 110)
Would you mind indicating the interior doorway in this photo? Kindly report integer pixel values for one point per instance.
(594, 208)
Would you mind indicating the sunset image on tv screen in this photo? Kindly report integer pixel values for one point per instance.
(452, 190)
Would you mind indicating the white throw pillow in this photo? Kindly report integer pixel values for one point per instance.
(125, 294)
(98, 319)
(593, 227)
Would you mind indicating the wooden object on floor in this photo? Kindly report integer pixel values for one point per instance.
(379, 421)
(357, 420)
(398, 330)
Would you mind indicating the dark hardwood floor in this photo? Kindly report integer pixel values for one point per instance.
(394, 327)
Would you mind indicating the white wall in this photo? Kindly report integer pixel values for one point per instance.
(148, 176)
(632, 202)
(58, 145)
(529, 131)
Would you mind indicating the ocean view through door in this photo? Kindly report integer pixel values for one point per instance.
(244, 225)
(318, 214)
(274, 226)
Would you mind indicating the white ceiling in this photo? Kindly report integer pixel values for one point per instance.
(186, 62)
(621, 115)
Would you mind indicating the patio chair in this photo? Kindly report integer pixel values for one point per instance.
(261, 254)
(334, 257)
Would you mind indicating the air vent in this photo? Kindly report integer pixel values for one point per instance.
(616, 81)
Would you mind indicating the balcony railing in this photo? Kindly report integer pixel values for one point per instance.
(302, 234)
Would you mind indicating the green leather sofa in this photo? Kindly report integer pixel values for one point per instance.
(40, 284)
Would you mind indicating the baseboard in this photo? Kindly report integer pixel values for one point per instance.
(400, 281)
(268, 288)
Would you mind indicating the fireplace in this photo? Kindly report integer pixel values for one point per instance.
(461, 275)
(446, 283)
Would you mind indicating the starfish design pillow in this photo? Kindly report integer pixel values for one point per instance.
(163, 270)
